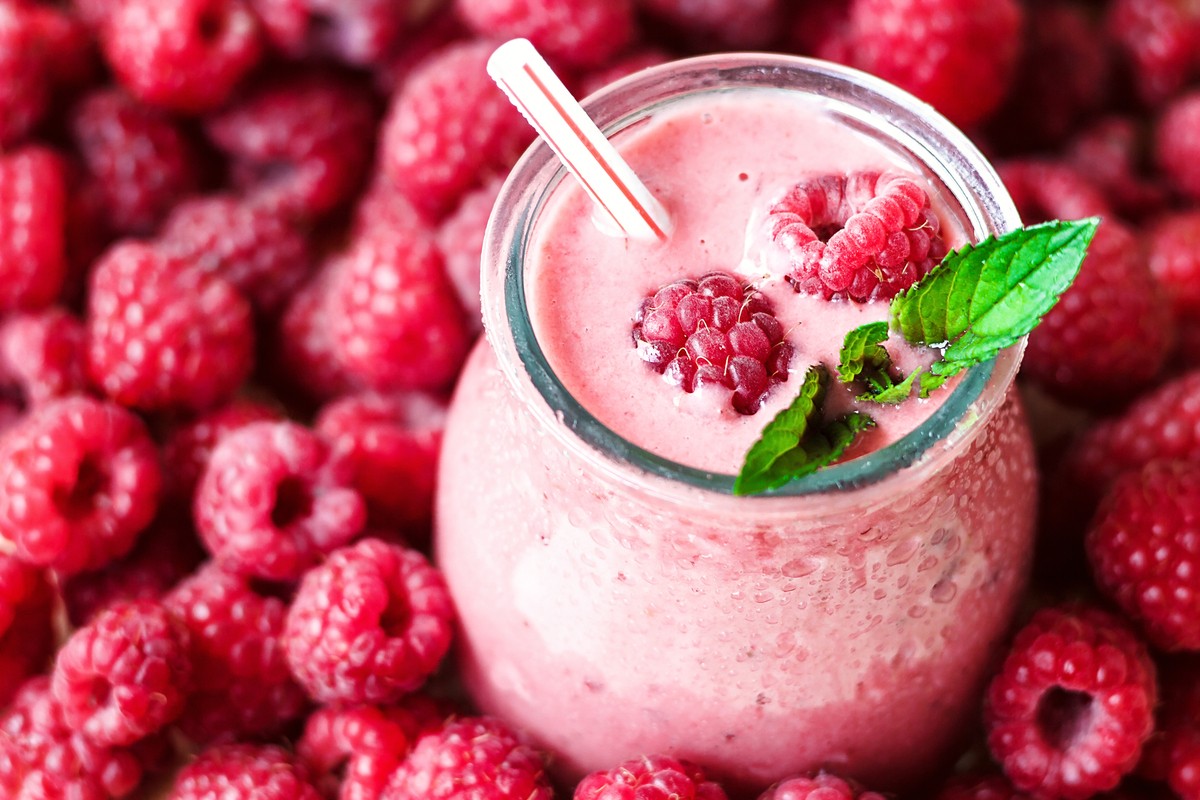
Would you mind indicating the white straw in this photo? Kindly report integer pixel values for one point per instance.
(534, 89)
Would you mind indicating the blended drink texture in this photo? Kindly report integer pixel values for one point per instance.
(615, 616)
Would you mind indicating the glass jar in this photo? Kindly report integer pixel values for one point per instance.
(614, 603)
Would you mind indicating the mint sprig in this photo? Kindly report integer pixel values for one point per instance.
(798, 441)
(864, 359)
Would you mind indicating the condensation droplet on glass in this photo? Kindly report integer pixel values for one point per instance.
(943, 591)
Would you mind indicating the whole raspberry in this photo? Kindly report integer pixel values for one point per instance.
(865, 236)
(395, 321)
(475, 758)
(1114, 154)
(164, 335)
(368, 625)
(79, 480)
(450, 128)
(434, 33)
(719, 24)
(32, 227)
(576, 33)
(1043, 189)
(26, 624)
(189, 447)
(358, 32)
(41, 758)
(241, 683)
(184, 55)
(250, 245)
(958, 55)
(125, 675)
(24, 73)
(1070, 709)
(392, 443)
(657, 776)
(460, 240)
(243, 772)
(139, 161)
(1159, 41)
(1174, 245)
(821, 786)
(713, 331)
(307, 359)
(991, 786)
(42, 355)
(274, 499)
(300, 143)
(66, 42)
(614, 71)
(1177, 144)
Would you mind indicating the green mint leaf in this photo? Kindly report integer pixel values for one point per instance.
(985, 297)
(796, 443)
(863, 354)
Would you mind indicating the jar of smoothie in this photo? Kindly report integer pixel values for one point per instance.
(615, 597)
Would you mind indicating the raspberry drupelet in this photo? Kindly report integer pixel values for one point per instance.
(576, 33)
(274, 499)
(79, 480)
(864, 236)
(368, 625)
(26, 624)
(359, 32)
(42, 355)
(655, 776)
(33, 208)
(822, 786)
(243, 772)
(713, 331)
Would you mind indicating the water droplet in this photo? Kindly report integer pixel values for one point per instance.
(917, 611)
(903, 552)
(763, 597)
(943, 591)
(799, 567)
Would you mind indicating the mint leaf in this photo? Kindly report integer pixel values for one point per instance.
(796, 443)
(864, 358)
(985, 297)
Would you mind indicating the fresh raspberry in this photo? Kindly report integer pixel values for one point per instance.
(32, 227)
(190, 343)
(368, 625)
(66, 41)
(450, 129)
(1184, 774)
(714, 331)
(438, 30)
(24, 74)
(307, 360)
(1177, 144)
(392, 442)
(1174, 245)
(79, 480)
(189, 447)
(42, 355)
(1114, 154)
(821, 786)
(42, 759)
(395, 320)
(991, 786)
(475, 758)
(866, 236)
(622, 67)
(460, 240)
(243, 772)
(250, 245)
(241, 683)
(184, 55)
(1145, 554)
(1044, 190)
(138, 159)
(358, 32)
(719, 24)
(1159, 41)
(125, 675)
(301, 143)
(958, 55)
(26, 624)
(659, 776)
(577, 33)
(1071, 707)
(274, 499)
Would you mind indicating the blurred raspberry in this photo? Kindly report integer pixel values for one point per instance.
(184, 55)
(450, 128)
(357, 32)
(719, 24)
(71, 58)
(243, 772)
(460, 240)
(991, 786)
(188, 447)
(664, 776)
(26, 625)
(79, 480)
(577, 33)
(32, 227)
(622, 67)
(190, 343)
(439, 29)
(1159, 41)
(1043, 190)
(307, 360)
(42, 355)
(822, 786)
(1177, 144)
(1170, 754)
(1174, 244)
(24, 74)
(1113, 153)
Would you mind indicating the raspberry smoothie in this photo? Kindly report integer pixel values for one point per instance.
(615, 599)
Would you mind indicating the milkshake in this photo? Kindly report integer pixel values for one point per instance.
(615, 598)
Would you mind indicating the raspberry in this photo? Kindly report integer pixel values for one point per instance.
(79, 480)
(392, 443)
(307, 359)
(720, 24)
(243, 772)
(162, 335)
(185, 55)
(395, 321)
(137, 158)
(1112, 154)
(42, 759)
(42, 355)
(1184, 774)
(1174, 245)
(475, 758)
(1177, 144)
(250, 245)
(125, 675)
(614, 71)
(822, 786)
(713, 331)
(32, 228)
(72, 62)
(1072, 705)
(370, 624)
(577, 33)
(1044, 190)
(274, 499)
(301, 143)
(1159, 40)
(460, 240)
(24, 78)
(958, 55)
(1144, 550)
(657, 776)
(26, 624)
(980, 787)
(865, 236)
(356, 31)
(450, 128)
(188, 448)
(241, 683)
(439, 29)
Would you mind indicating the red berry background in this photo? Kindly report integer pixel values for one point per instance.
(204, 418)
